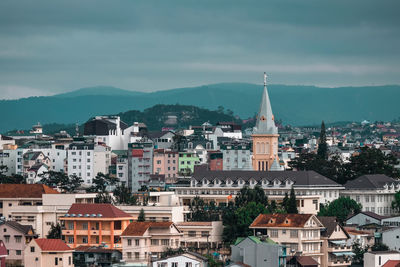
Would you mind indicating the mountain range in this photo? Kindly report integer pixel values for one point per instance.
(293, 104)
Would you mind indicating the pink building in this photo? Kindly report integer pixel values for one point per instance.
(166, 162)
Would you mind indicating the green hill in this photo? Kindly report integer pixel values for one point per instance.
(297, 105)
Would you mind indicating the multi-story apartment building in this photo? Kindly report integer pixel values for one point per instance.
(236, 155)
(215, 161)
(140, 240)
(15, 195)
(121, 165)
(374, 192)
(49, 211)
(140, 163)
(218, 185)
(94, 224)
(166, 162)
(187, 161)
(299, 233)
(6, 141)
(86, 160)
(334, 238)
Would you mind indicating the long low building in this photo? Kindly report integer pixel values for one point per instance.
(218, 186)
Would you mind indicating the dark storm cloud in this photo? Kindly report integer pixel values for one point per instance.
(53, 46)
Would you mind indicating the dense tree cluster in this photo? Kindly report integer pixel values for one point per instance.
(341, 208)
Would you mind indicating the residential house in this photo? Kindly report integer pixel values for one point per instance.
(392, 263)
(15, 237)
(87, 256)
(44, 252)
(375, 192)
(94, 224)
(363, 238)
(391, 238)
(236, 155)
(258, 251)
(34, 157)
(186, 162)
(140, 240)
(334, 243)
(158, 213)
(201, 236)
(34, 173)
(365, 218)
(379, 258)
(187, 259)
(299, 233)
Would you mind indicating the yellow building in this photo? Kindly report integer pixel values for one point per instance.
(94, 224)
(265, 137)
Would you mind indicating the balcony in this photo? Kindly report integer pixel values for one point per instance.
(339, 262)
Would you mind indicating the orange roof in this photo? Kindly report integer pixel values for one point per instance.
(52, 244)
(139, 228)
(392, 263)
(194, 224)
(280, 220)
(25, 190)
(106, 210)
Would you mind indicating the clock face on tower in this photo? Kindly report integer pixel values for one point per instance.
(262, 118)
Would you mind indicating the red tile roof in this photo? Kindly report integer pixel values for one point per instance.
(139, 228)
(194, 224)
(25, 190)
(280, 220)
(52, 244)
(392, 263)
(106, 210)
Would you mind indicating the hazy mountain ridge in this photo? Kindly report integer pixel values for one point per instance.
(297, 105)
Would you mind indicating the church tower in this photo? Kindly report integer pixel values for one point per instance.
(265, 136)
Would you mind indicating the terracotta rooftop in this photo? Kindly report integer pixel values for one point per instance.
(106, 210)
(52, 244)
(392, 263)
(94, 249)
(139, 228)
(25, 190)
(194, 224)
(280, 220)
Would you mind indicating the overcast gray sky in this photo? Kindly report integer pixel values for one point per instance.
(48, 47)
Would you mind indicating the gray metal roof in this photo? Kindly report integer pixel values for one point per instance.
(370, 181)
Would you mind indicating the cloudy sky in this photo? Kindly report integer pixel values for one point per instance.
(48, 47)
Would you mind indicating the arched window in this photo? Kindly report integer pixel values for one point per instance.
(258, 147)
(267, 148)
(262, 148)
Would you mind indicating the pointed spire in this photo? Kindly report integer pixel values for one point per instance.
(275, 166)
(265, 120)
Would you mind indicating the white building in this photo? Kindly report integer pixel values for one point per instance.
(140, 164)
(187, 259)
(113, 132)
(391, 238)
(379, 258)
(5, 140)
(35, 172)
(374, 192)
(236, 155)
(86, 160)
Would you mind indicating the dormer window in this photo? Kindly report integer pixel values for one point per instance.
(190, 145)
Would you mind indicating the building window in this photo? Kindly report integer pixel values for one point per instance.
(154, 242)
(274, 233)
(137, 242)
(55, 261)
(7, 238)
(192, 233)
(69, 260)
(32, 249)
(165, 242)
(136, 255)
(129, 255)
(294, 233)
(84, 240)
(18, 239)
(70, 225)
(188, 264)
(129, 242)
(174, 264)
(70, 239)
(18, 252)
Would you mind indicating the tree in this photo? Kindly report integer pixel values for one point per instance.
(101, 184)
(123, 195)
(292, 203)
(371, 161)
(285, 202)
(61, 180)
(54, 232)
(322, 145)
(396, 202)
(379, 247)
(341, 208)
(359, 251)
(247, 195)
(141, 217)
